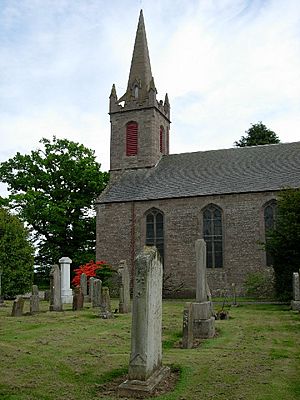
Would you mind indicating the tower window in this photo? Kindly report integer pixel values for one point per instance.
(136, 92)
(269, 219)
(161, 139)
(131, 138)
(155, 230)
(213, 236)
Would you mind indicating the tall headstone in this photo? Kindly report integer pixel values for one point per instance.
(105, 307)
(91, 288)
(66, 291)
(201, 292)
(124, 286)
(187, 327)
(55, 289)
(145, 366)
(83, 284)
(34, 300)
(296, 292)
(18, 305)
(97, 287)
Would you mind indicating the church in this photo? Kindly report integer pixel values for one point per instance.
(227, 197)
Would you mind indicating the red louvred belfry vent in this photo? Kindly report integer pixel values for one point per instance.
(131, 139)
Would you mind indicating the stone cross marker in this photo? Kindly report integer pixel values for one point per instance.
(66, 291)
(34, 300)
(296, 292)
(145, 366)
(124, 285)
(83, 284)
(55, 289)
(18, 305)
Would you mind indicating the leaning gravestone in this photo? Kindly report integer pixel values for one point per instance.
(18, 305)
(145, 366)
(124, 285)
(55, 289)
(105, 307)
(296, 292)
(97, 287)
(34, 300)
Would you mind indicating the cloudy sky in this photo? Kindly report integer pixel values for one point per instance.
(224, 63)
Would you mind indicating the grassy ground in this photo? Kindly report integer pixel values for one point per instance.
(68, 355)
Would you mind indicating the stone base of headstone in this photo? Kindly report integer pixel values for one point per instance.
(295, 304)
(137, 388)
(203, 322)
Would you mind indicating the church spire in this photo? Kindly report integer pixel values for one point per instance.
(140, 75)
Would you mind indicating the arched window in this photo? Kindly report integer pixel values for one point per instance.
(131, 138)
(161, 139)
(213, 236)
(269, 219)
(155, 230)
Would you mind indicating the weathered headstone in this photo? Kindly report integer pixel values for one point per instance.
(187, 329)
(97, 287)
(55, 289)
(105, 307)
(145, 366)
(83, 284)
(47, 295)
(66, 291)
(91, 288)
(78, 299)
(296, 292)
(34, 300)
(202, 309)
(124, 286)
(18, 305)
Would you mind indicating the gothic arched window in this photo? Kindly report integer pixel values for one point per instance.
(131, 138)
(155, 230)
(269, 220)
(213, 236)
(161, 139)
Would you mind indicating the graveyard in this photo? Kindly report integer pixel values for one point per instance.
(77, 355)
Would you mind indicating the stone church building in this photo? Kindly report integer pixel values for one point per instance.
(227, 197)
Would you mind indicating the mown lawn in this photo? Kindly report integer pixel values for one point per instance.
(68, 355)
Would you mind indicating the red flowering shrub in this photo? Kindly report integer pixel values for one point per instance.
(91, 269)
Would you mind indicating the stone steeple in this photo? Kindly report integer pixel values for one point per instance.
(147, 139)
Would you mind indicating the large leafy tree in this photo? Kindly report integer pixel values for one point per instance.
(53, 189)
(257, 134)
(283, 241)
(16, 255)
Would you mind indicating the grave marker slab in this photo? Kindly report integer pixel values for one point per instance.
(55, 289)
(124, 286)
(34, 300)
(105, 307)
(18, 306)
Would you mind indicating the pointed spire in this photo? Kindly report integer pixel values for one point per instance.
(113, 92)
(140, 71)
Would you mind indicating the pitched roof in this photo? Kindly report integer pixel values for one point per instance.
(236, 170)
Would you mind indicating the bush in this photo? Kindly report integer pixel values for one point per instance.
(260, 284)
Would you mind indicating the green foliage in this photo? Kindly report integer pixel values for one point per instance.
(53, 189)
(259, 285)
(283, 242)
(16, 255)
(257, 134)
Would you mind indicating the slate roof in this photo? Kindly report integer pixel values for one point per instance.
(236, 170)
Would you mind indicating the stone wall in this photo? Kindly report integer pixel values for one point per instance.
(121, 234)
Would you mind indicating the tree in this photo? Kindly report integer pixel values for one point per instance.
(257, 134)
(283, 242)
(53, 189)
(16, 255)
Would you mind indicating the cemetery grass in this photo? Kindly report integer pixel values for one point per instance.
(75, 355)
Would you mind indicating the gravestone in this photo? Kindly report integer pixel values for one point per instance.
(34, 300)
(124, 286)
(105, 307)
(145, 366)
(187, 329)
(47, 295)
(97, 287)
(296, 292)
(91, 288)
(78, 299)
(18, 305)
(83, 284)
(55, 289)
(66, 291)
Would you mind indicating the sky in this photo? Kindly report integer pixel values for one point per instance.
(225, 64)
